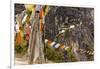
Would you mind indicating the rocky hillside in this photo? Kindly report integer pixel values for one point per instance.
(71, 24)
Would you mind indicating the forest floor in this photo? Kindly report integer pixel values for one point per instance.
(23, 60)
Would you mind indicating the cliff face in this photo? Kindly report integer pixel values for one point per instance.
(19, 8)
(70, 24)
